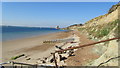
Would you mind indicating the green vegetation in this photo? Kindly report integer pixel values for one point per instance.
(14, 58)
(103, 32)
(80, 29)
(117, 31)
(100, 31)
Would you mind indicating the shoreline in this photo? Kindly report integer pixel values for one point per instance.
(31, 36)
(32, 47)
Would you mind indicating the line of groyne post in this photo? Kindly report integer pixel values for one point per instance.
(58, 40)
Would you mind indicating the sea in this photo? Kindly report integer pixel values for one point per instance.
(17, 32)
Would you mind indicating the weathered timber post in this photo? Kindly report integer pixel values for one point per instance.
(56, 66)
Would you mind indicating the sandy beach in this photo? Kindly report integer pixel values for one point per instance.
(33, 48)
(35, 51)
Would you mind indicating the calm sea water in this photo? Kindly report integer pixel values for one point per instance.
(12, 32)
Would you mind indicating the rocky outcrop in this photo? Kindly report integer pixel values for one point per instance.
(113, 8)
(72, 27)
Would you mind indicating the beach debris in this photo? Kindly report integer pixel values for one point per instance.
(63, 55)
(28, 58)
(38, 58)
(51, 61)
(43, 61)
(59, 47)
(73, 42)
(15, 57)
(71, 53)
(62, 58)
(45, 58)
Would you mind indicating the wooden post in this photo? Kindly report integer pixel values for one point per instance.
(21, 65)
(56, 66)
(12, 63)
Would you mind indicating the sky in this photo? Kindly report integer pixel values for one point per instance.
(51, 14)
(60, 0)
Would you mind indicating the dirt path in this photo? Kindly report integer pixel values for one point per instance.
(82, 55)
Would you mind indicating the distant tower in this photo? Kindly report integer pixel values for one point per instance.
(57, 27)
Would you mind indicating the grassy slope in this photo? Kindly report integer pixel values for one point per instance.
(100, 31)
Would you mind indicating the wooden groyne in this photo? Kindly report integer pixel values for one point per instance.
(59, 40)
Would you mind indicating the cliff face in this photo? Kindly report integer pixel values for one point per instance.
(100, 28)
(110, 56)
(104, 19)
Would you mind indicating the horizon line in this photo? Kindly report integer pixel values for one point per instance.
(29, 26)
